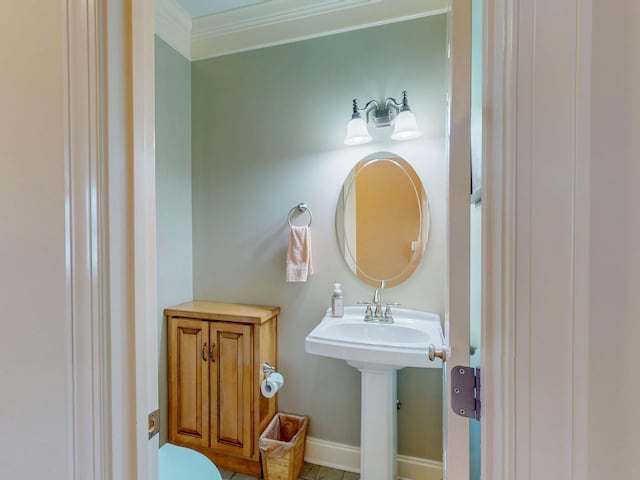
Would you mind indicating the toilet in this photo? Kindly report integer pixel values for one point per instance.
(179, 463)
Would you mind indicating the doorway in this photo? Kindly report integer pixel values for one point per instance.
(192, 243)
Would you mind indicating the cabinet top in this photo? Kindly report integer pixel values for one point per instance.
(234, 312)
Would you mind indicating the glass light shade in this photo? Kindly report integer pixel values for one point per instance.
(357, 132)
(405, 127)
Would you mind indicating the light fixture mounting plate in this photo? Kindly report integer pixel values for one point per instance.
(381, 117)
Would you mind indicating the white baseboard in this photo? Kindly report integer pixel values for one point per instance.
(414, 468)
(346, 457)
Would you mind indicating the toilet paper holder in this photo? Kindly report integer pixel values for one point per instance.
(272, 381)
(267, 369)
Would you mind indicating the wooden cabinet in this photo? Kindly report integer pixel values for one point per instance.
(188, 382)
(216, 351)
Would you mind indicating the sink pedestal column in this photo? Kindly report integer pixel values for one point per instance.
(379, 418)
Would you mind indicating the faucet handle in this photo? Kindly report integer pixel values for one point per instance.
(387, 310)
(368, 313)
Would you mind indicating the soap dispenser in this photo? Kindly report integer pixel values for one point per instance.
(337, 301)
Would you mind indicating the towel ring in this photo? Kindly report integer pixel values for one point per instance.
(301, 207)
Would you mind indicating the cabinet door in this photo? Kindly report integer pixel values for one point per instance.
(231, 388)
(188, 382)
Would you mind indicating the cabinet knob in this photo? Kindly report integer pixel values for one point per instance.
(211, 357)
(204, 348)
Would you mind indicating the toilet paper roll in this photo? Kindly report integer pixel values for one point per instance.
(270, 385)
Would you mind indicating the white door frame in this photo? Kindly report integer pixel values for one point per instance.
(536, 121)
(111, 235)
(144, 228)
(132, 235)
(499, 198)
(85, 262)
(498, 241)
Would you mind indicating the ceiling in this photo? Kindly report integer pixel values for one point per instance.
(201, 29)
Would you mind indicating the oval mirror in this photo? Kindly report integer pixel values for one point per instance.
(382, 220)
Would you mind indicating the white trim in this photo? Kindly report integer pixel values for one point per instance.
(267, 14)
(84, 216)
(275, 23)
(499, 242)
(517, 150)
(143, 213)
(208, 42)
(116, 238)
(332, 454)
(546, 163)
(200, 8)
(173, 25)
(413, 468)
(347, 458)
(130, 237)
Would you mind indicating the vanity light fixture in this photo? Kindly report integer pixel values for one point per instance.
(405, 125)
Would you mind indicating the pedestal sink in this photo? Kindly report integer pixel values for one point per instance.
(378, 350)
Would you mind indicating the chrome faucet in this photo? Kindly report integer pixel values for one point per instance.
(377, 301)
(371, 315)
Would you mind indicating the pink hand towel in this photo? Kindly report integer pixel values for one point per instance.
(299, 265)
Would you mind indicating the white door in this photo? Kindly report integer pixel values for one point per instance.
(457, 304)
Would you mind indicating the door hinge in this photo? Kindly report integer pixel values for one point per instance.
(154, 423)
(465, 391)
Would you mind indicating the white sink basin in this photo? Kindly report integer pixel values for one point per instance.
(404, 343)
(378, 350)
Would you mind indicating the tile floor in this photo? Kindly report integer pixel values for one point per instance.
(308, 472)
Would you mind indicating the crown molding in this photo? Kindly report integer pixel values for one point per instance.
(270, 24)
(266, 14)
(174, 25)
(276, 22)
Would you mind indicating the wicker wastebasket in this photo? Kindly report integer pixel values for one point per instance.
(282, 446)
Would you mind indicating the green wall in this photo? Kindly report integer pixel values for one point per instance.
(173, 195)
(268, 127)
